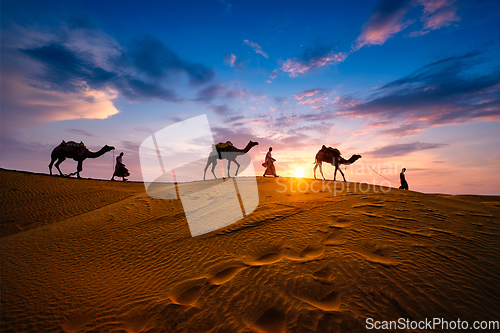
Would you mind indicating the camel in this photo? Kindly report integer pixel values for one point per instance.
(76, 151)
(332, 156)
(229, 153)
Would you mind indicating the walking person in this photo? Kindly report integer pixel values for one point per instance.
(404, 184)
(269, 164)
(120, 169)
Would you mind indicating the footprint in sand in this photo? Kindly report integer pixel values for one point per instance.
(310, 252)
(377, 252)
(135, 322)
(188, 292)
(315, 292)
(333, 239)
(271, 321)
(268, 258)
(225, 275)
(339, 221)
(323, 275)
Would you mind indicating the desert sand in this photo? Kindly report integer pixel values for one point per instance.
(80, 255)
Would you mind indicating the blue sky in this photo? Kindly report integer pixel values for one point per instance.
(403, 83)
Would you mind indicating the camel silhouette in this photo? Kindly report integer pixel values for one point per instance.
(334, 157)
(76, 151)
(229, 153)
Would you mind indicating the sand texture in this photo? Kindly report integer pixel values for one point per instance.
(81, 255)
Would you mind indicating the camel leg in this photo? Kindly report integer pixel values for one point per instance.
(214, 164)
(59, 161)
(238, 168)
(228, 166)
(314, 169)
(51, 164)
(321, 171)
(79, 169)
(335, 176)
(206, 167)
(342, 173)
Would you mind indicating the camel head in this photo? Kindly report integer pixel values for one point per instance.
(107, 148)
(252, 144)
(353, 159)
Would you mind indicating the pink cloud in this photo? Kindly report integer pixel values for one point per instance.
(297, 66)
(274, 74)
(386, 22)
(313, 100)
(256, 47)
(382, 25)
(230, 59)
(307, 93)
(443, 18)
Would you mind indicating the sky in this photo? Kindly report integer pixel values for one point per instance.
(412, 84)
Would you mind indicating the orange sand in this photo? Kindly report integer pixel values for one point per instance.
(101, 256)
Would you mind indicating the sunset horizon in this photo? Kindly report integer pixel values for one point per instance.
(411, 84)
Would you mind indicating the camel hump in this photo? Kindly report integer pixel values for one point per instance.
(330, 150)
(224, 145)
(72, 144)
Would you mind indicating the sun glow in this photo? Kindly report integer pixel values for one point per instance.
(299, 173)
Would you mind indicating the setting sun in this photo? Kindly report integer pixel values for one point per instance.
(299, 173)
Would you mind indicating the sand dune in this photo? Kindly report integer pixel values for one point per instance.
(101, 256)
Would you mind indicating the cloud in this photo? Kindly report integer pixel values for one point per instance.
(151, 57)
(436, 14)
(231, 60)
(76, 71)
(388, 18)
(273, 75)
(81, 132)
(402, 149)
(448, 91)
(385, 21)
(404, 130)
(222, 110)
(308, 93)
(313, 100)
(256, 47)
(313, 58)
(280, 101)
(220, 90)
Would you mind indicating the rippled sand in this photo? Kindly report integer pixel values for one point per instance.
(101, 256)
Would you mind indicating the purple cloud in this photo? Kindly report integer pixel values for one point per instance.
(81, 132)
(313, 58)
(256, 47)
(444, 92)
(402, 149)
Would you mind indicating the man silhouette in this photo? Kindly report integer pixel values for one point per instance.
(404, 184)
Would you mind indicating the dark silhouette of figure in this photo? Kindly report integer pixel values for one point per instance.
(228, 152)
(269, 164)
(334, 157)
(76, 151)
(404, 184)
(120, 170)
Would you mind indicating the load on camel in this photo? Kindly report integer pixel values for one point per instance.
(228, 152)
(76, 151)
(334, 157)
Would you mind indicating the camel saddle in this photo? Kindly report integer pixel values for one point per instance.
(331, 150)
(72, 144)
(223, 145)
